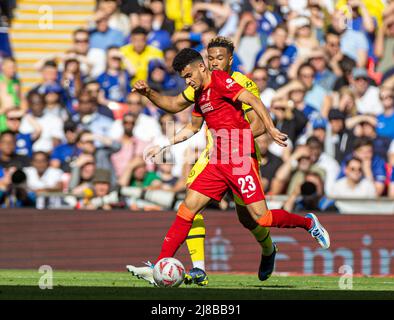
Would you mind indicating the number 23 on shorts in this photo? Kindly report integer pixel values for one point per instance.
(247, 184)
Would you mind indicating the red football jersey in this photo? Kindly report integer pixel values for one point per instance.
(217, 103)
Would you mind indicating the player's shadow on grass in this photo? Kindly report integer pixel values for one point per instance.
(275, 286)
(139, 293)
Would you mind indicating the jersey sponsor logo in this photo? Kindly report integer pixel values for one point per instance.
(230, 84)
(206, 107)
(248, 84)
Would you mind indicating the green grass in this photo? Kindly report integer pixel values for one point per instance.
(23, 284)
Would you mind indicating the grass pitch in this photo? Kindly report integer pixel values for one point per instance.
(24, 284)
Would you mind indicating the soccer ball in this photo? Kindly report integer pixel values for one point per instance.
(168, 272)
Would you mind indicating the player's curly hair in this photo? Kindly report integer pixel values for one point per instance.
(185, 57)
(222, 42)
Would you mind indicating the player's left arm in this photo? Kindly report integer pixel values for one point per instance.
(262, 112)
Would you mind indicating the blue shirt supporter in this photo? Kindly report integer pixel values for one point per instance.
(378, 167)
(24, 144)
(104, 40)
(65, 153)
(357, 25)
(385, 126)
(160, 39)
(266, 24)
(115, 87)
(289, 54)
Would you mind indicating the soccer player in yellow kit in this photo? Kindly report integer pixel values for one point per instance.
(220, 56)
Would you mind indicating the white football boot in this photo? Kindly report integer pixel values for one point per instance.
(145, 273)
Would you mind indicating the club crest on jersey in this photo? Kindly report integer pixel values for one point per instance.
(206, 97)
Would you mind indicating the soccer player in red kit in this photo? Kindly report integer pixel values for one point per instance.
(233, 164)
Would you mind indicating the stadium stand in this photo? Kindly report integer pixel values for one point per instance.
(324, 69)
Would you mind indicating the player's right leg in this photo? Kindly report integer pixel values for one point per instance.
(177, 233)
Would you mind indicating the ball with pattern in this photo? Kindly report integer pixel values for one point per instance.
(168, 272)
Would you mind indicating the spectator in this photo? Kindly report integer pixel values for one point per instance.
(353, 43)
(146, 127)
(300, 29)
(132, 146)
(344, 100)
(8, 156)
(159, 39)
(24, 141)
(384, 44)
(324, 161)
(99, 127)
(139, 53)
(115, 81)
(365, 126)
(41, 177)
(279, 41)
(363, 22)
(295, 92)
(358, 181)
(260, 77)
(292, 172)
(10, 86)
(136, 174)
(247, 41)
(93, 90)
(14, 192)
(82, 176)
(117, 20)
(288, 119)
(309, 196)
(385, 125)
(101, 195)
(333, 51)
(267, 20)
(160, 20)
(71, 79)
(315, 93)
(367, 96)
(340, 138)
(49, 77)
(269, 163)
(102, 36)
(162, 76)
(92, 59)
(51, 126)
(363, 150)
(63, 154)
(323, 76)
(270, 60)
(54, 102)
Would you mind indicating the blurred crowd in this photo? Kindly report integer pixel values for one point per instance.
(325, 70)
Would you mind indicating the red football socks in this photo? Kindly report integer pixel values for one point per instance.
(282, 219)
(175, 237)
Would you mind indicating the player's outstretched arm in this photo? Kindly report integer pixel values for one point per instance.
(248, 98)
(185, 133)
(166, 103)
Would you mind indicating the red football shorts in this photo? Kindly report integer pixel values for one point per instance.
(243, 179)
